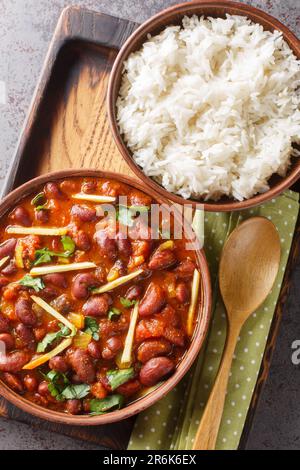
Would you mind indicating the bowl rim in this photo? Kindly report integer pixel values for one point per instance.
(209, 8)
(202, 325)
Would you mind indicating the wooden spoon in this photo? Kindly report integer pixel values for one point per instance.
(248, 268)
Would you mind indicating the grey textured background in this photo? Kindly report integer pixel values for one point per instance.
(26, 27)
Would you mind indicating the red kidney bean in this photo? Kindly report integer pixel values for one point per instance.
(182, 293)
(81, 284)
(3, 281)
(56, 244)
(129, 388)
(101, 274)
(62, 303)
(25, 334)
(75, 379)
(138, 198)
(104, 380)
(89, 187)
(43, 388)
(40, 400)
(134, 292)
(113, 188)
(48, 293)
(39, 333)
(41, 216)
(73, 407)
(14, 361)
(120, 267)
(52, 191)
(123, 244)
(94, 350)
(59, 364)
(162, 259)
(175, 336)
(7, 248)
(111, 347)
(8, 340)
(87, 405)
(30, 383)
(68, 185)
(83, 213)
(169, 316)
(82, 240)
(106, 243)
(153, 348)
(4, 324)
(153, 300)
(155, 370)
(82, 364)
(24, 312)
(10, 269)
(13, 382)
(96, 306)
(140, 231)
(185, 269)
(56, 279)
(21, 216)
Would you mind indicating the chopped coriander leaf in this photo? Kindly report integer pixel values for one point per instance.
(105, 404)
(51, 337)
(119, 377)
(35, 283)
(76, 391)
(39, 199)
(54, 376)
(47, 341)
(60, 388)
(55, 392)
(135, 208)
(68, 244)
(139, 208)
(126, 302)
(44, 255)
(114, 312)
(92, 327)
(57, 382)
(65, 331)
(42, 207)
(126, 215)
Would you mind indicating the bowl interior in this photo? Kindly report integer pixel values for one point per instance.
(173, 16)
(202, 323)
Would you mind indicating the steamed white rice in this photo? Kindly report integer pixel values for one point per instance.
(212, 108)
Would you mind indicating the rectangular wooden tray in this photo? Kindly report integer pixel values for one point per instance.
(67, 127)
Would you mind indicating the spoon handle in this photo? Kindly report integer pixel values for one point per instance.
(208, 429)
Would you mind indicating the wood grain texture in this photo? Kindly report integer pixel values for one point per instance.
(66, 127)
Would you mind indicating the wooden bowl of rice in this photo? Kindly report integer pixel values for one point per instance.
(238, 184)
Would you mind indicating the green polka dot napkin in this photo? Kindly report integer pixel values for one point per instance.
(173, 421)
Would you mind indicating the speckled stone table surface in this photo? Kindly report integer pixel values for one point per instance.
(26, 27)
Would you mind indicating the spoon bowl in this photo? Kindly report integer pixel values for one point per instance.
(248, 269)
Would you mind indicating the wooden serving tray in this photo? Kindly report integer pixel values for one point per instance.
(67, 127)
